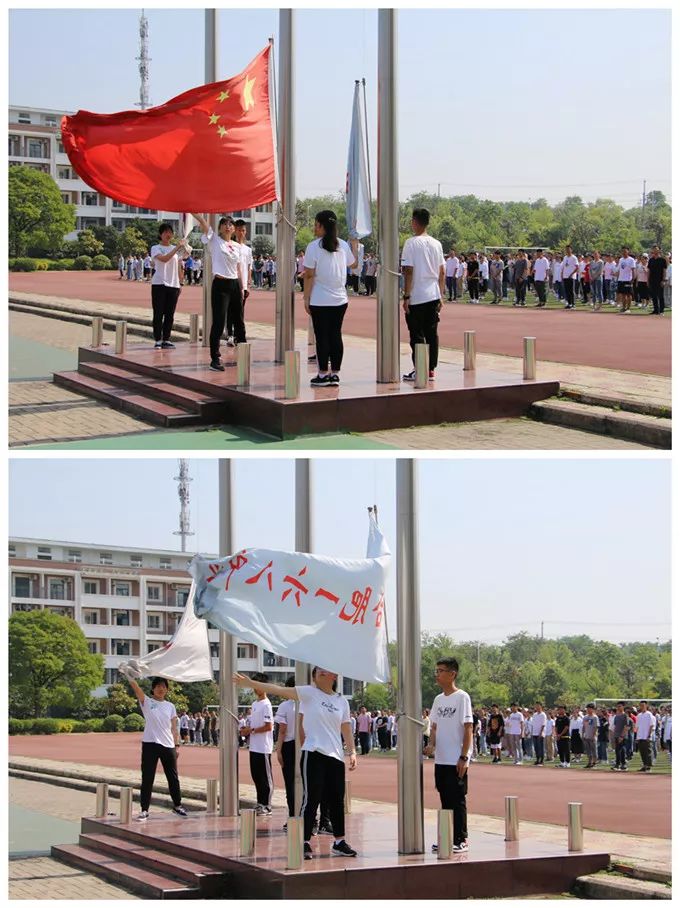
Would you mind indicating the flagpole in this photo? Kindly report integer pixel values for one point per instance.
(409, 706)
(229, 801)
(210, 76)
(303, 543)
(285, 234)
(388, 200)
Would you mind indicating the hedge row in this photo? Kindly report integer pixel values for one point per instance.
(82, 263)
(133, 722)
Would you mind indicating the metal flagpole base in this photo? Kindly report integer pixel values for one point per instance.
(575, 826)
(243, 365)
(211, 795)
(469, 351)
(444, 834)
(102, 807)
(295, 843)
(121, 337)
(97, 331)
(511, 819)
(292, 374)
(422, 357)
(125, 805)
(247, 833)
(193, 328)
(529, 358)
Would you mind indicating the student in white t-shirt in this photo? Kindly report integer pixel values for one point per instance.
(260, 735)
(538, 724)
(327, 259)
(645, 730)
(246, 269)
(514, 728)
(160, 741)
(165, 288)
(451, 268)
(539, 270)
(570, 266)
(326, 726)
(422, 261)
(624, 286)
(285, 718)
(451, 724)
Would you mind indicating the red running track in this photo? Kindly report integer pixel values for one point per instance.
(636, 344)
(636, 803)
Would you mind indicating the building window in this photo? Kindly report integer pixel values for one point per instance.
(121, 589)
(44, 553)
(74, 556)
(215, 650)
(24, 117)
(26, 607)
(90, 587)
(111, 676)
(90, 198)
(22, 587)
(264, 208)
(120, 647)
(153, 622)
(165, 564)
(246, 651)
(121, 619)
(117, 204)
(93, 646)
(65, 173)
(15, 145)
(153, 592)
(135, 561)
(50, 120)
(264, 229)
(36, 148)
(182, 596)
(105, 558)
(91, 617)
(57, 589)
(150, 647)
(60, 147)
(12, 550)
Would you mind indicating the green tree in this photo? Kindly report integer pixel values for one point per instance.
(200, 694)
(49, 663)
(88, 244)
(132, 242)
(262, 245)
(119, 701)
(36, 209)
(375, 696)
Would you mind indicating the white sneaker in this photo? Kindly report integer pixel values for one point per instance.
(144, 815)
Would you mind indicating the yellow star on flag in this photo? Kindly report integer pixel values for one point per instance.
(213, 119)
(222, 131)
(248, 101)
(223, 95)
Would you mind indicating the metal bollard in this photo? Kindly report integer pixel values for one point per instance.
(292, 374)
(121, 336)
(575, 826)
(211, 795)
(348, 797)
(247, 837)
(243, 365)
(511, 819)
(97, 331)
(422, 364)
(444, 834)
(193, 328)
(295, 843)
(469, 351)
(125, 805)
(102, 807)
(529, 358)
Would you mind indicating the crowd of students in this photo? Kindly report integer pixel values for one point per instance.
(201, 729)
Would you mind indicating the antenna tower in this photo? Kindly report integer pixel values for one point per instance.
(184, 517)
(143, 60)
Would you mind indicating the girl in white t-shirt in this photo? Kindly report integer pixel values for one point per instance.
(326, 725)
(165, 288)
(327, 259)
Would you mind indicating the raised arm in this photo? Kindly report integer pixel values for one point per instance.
(272, 690)
(203, 224)
(136, 689)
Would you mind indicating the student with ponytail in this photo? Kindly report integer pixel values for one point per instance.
(327, 259)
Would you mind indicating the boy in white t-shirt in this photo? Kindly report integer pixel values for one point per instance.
(260, 734)
(624, 286)
(451, 723)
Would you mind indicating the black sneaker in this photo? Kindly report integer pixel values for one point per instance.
(315, 829)
(462, 846)
(320, 380)
(180, 811)
(409, 376)
(435, 848)
(308, 853)
(216, 366)
(168, 345)
(325, 829)
(157, 345)
(334, 380)
(342, 850)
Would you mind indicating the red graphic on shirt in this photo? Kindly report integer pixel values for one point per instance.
(236, 563)
(360, 602)
(299, 587)
(380, 609)
(326, 594)
(266, 570)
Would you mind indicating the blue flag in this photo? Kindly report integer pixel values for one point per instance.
(358, 196)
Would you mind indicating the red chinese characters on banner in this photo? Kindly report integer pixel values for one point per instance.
(360, 602)
(236, 563)
(380, 610)
(295, 584)
(213, 571)
(326, 594)
(267, 572)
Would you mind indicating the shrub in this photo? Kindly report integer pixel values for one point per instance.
(61, 265)
(102, 263)
(45, 727)
(112, 723)
(19, 726)
(133, 722)
(24, 265)
(82, 263)
(94, 724)
(80, 727)
(65, 726)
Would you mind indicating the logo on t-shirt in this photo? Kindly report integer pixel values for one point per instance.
(447, 712)
(329, 707)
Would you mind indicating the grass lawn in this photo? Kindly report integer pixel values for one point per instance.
(554, 303)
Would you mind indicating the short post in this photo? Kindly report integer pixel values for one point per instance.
(247, 838)
(211, 795)
(469, 351)
(125, 805)
(348, 797)
(193, 328)
(422, 360)
(529, 358)
(295, 842)
(575, 826)
(311, 340)
(243, 365)
(97, 331)
(121, 336)
(292, 374)
(444, 834)
(511, 819)
(102, 807)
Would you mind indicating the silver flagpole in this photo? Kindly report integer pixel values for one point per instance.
(285, 234)
(388, 200)
(228, 703)
(410, 735)
(303, 543)
(210, 76)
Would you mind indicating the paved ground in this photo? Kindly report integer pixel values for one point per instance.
(641, 344)
(42, 414)
(611, 800)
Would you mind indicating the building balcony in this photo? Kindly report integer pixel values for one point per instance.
(43, 601)
(94, 600)
(111, 631)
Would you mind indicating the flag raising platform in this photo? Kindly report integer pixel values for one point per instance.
(198, 857)
(173, 388)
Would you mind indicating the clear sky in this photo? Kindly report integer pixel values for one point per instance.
(581, 544)
(505, 104)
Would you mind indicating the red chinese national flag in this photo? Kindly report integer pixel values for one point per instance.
(210, 149)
